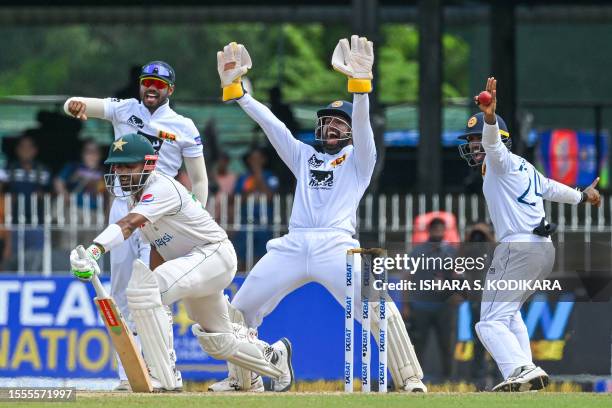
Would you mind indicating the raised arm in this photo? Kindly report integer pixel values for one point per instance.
(363, 136)
(81, 107)
(287, 147)
(498, 155)
(356, 61)
(234, 62)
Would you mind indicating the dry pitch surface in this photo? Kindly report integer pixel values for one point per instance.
(334, 399)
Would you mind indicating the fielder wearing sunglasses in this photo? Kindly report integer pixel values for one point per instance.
(174, 138)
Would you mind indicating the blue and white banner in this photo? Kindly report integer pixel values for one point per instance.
(49, 327)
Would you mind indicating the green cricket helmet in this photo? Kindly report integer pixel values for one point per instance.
(129, 149)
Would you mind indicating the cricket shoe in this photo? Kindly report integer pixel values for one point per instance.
(231, 384)
(525, 378)
(414, 384)
(158, 387)
(124, 385)
(282, 359)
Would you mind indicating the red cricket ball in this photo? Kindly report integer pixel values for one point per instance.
(484, 98)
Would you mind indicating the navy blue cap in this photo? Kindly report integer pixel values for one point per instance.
(158, 69)
(476, 122)
(341, 108)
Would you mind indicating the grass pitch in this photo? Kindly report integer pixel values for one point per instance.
(336, 400)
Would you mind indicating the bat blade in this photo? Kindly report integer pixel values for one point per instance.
(125, 345)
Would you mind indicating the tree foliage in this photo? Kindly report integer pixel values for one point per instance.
(95, 60)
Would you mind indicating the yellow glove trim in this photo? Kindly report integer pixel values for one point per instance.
(233, 91)
(359, 85)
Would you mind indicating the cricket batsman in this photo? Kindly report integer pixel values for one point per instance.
(175, 139)
(515, 192)
(330, 184)
(193, 261)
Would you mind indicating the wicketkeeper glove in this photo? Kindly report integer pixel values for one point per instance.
(232, 63)
(355, 62)
(84, 262)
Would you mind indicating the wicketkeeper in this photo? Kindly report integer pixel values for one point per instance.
(330, 183)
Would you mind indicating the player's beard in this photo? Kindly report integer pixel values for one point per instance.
(154, 99)
(335, 148)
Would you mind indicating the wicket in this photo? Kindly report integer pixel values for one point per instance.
(353, 272)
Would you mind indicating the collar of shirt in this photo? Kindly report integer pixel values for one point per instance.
(160, 112)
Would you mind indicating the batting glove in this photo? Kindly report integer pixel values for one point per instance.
(355, 62)
(84, 262)
(232, 63)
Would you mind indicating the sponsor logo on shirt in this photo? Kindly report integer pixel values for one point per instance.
(314, 162)
(198, 140)
(339, 161)
(321, 179)
(147, 198)
(136, 121)
(115, 100)
(163, 241)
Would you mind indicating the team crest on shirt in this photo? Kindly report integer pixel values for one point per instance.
(321, 179)
(136, 121)
(166, 135)
(314, 162)
(338, 161)
(147, 198)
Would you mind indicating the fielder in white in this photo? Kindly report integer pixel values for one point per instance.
(175, 139)
(194, 263)
(514, 191)
(330, 184)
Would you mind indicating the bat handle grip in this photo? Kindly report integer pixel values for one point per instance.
(99, 288)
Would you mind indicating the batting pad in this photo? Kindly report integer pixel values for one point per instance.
(153, 324)
(242, 375)
(254, 355)
(402, 360)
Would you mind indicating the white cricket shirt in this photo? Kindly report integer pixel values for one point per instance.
(329, 187)
(177, 220)
(515, 190)
(181, 137)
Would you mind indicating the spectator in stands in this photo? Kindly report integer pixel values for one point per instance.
(432, 308)
(25, 179)
(223, 177)
(85, 177)
(257, 180)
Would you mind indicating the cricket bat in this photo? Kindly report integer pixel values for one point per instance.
(123, 340)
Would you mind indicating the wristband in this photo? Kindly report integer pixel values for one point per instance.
(233, 91)
(110, 237)
(359, 85)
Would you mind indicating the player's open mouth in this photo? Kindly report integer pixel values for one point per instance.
(151, 96)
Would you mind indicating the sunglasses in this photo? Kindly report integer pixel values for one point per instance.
(156, 69)
(156, 82)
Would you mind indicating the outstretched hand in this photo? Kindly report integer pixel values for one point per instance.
(489, 110)
(592, 194)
